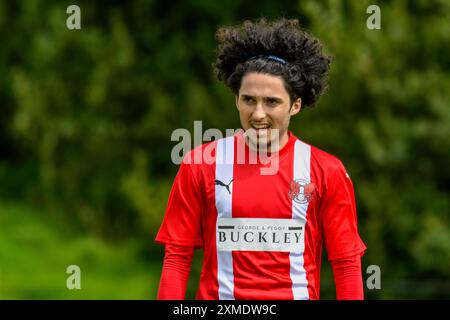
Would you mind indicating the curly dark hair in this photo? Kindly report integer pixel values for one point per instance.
(244, 48)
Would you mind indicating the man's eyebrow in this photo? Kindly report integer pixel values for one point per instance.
(273, 98)
(245, 95)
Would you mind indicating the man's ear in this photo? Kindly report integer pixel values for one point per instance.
(296, 107)
(237, 99)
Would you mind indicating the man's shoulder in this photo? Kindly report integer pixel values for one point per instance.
(320, 157)
(325, 160)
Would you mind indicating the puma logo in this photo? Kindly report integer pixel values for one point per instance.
(227, 186)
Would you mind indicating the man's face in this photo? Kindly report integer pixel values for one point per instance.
(264, 110)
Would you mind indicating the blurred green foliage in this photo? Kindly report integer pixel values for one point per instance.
(87, 115)
(36, 252)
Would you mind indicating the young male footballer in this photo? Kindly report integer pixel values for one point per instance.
(262, 234)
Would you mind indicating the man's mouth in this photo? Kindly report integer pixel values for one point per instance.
(260, 130)
(260, 126)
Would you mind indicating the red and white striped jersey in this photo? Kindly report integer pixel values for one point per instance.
(262, 235)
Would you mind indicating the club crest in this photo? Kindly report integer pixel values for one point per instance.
(301, 191)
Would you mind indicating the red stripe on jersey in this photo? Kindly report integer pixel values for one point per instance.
(262, 275)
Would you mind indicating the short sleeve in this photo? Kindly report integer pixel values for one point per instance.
(338, 213)
(182, 220)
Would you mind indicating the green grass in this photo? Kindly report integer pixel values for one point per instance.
(35, 253)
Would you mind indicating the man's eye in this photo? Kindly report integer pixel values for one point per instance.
(248, 99)
(272, 101)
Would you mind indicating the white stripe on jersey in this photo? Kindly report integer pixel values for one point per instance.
(302, 156)
(224, 173)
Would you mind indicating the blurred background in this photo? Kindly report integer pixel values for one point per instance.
(86, 118)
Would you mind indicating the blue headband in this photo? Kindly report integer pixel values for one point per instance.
(270, 57)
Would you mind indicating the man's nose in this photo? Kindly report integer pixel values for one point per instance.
(259, 113)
